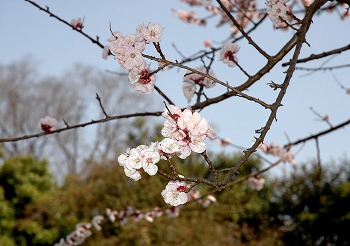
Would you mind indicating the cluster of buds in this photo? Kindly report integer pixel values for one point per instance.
(276, 150)
(128, 51)
(189, 17)
(82, 232)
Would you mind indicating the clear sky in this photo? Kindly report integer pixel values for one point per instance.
(27, 31)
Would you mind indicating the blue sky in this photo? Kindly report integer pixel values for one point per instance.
(28, 31)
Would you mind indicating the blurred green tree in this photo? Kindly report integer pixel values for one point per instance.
(24, 181)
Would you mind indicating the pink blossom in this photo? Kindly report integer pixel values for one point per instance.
(200, 79)
(96, 222)
(207, 200)
(188, 128)
(141, 79)
(207, 43)
(277, 11)
(189, 17)
(132, 173)
(132, 58)
(105, 52)
(174, 193)
(152, 33)
(169, 146)
(111, 214)
(228, 54)
(77, 23)
(225, 142)
(256, 184)
(149, 160)
(173, 212)
(206, 3)
(307, 2)
(188, 88)
(47, 124)
(192, 79)
(288, 156)
(138, 216)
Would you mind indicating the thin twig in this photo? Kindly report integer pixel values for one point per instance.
(314, 136)
(101, 105)
(213, 170)
(321, 55)
(92, 122)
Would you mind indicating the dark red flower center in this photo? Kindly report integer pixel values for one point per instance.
(230, 55)
(181, 188)
(144, 77)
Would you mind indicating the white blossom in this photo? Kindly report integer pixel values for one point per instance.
(47, 124)
(174, 193)
(228, 54)
(96, 222)
(277, 11)
(150, 33)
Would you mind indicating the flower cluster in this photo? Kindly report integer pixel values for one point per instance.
(82, 231)
(277, 11)
(228, 54)
(189, 17)
(47, 124)
(192, 79)
(143, 156)
(128, 51)
(276, 150)
(186, 131)
(205, 201)
(206, 3)
(256, 184)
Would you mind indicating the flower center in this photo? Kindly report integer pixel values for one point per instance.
(181, 188)
(144, 77)
(200, 79)
(230, 55)
(46, 128)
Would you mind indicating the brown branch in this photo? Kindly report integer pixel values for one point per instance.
(213, 170)
(46, 10)
(199, 55)
(239, 27)
(163, 95)
(321, 55)
(322, 68)
(314, 136)
(301, 39)
(101, 106)
(195, 180)
(234, 90)
(125, 116)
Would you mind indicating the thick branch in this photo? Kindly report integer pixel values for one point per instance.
(301, 39)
